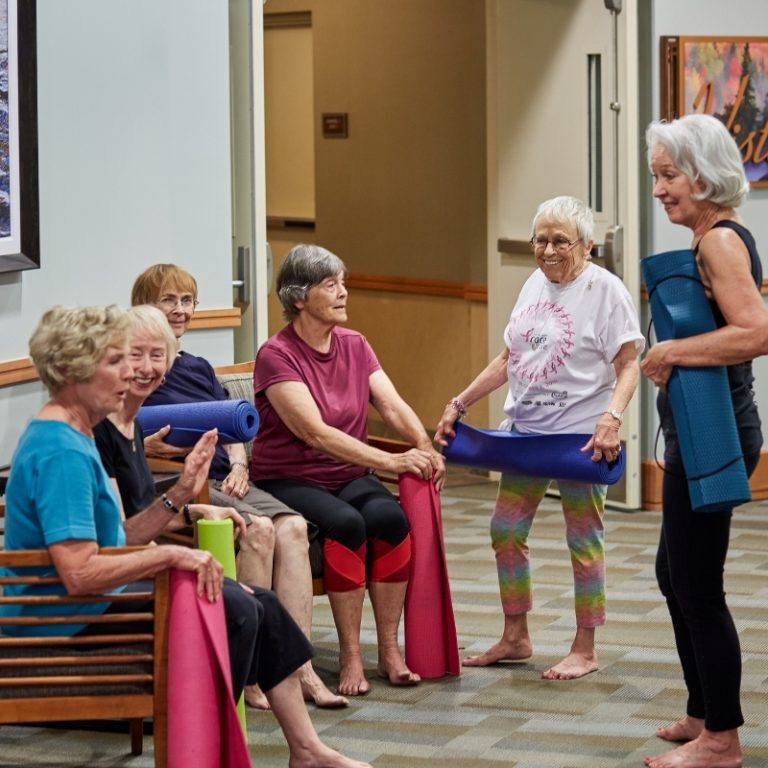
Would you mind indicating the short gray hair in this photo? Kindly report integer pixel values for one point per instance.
(304, 267)
(567, 210)
(704, 150)
(69, 342)
(152, 321)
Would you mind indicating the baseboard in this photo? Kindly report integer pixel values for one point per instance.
(652, 474)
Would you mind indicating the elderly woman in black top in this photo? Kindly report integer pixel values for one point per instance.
(699, 179)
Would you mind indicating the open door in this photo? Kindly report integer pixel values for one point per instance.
(250, 252)
(562, 119)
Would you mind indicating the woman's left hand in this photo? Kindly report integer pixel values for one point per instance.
(604, 442)
(209, 512)
(655, 365)
(236, 483)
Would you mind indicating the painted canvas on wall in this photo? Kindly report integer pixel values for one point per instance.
(726, 77)
(19, 216)
(5, 175)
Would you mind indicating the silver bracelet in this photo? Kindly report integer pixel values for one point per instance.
(242, 464)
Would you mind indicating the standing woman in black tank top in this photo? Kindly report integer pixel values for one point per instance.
(699, 179)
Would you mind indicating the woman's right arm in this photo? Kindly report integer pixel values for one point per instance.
(493, 376)
(297, 409)
(83, 570)
(150, 522)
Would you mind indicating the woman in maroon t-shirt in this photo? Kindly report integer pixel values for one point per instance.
(313, 383)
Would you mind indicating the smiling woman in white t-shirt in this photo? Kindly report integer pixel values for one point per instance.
(570, 362)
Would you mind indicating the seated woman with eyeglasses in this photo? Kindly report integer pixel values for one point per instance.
(274, 551)
(570, 362)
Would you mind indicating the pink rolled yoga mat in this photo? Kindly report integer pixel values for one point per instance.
(203, 725)
(431, 647)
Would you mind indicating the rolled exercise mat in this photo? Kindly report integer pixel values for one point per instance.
(218, 538)
(236, 420)
(556, 456)
(203, 726)
(431, 647)
(700, 398)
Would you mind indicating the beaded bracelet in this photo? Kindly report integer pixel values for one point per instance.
(458, 406)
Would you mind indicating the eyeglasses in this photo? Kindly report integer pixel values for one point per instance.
(560, 244)
(169, 301)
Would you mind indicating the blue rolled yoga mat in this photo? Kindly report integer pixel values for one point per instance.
(554, 456)
(236, 420)
(700, 398)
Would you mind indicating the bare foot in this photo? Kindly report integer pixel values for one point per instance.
(352, 680)
(392, 667)
(402, 676)
(504, 650)
(572, 666)
(709, 750)
(314, 689)
(317, 755)
(254, 697)
(686, 729)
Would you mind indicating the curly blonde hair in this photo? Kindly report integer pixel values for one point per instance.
(69, 342)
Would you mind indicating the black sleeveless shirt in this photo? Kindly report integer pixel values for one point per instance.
(740, 376)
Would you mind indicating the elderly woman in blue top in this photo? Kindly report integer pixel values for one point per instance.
(59, 496)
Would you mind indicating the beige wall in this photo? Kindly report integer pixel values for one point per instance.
(405, 193)
(430, 346)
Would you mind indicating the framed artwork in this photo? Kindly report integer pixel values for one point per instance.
(726, 77)
(19, 199)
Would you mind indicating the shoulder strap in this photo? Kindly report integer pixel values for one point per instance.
(749, 241)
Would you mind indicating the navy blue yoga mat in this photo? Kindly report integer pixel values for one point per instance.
(236, 420)
(554, 456)
(699, 397)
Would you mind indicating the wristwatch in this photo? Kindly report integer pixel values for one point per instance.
(618, 415)
(168, 504)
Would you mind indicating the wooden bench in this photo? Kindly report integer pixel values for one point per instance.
(117, 676)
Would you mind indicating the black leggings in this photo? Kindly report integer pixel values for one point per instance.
(360, 510)
(265, 643)
(689, 569)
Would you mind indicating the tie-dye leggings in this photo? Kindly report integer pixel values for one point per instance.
(518, 498)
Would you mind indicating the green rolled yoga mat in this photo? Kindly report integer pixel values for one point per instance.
(218, 538)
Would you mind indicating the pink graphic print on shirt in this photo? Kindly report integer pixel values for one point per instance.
(540, 338)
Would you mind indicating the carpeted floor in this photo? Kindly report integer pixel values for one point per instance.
(507, 715)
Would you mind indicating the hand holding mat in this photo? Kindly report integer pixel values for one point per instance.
(203, 727)
(700, 398)
(556, 456)
(236, 420)
(431, 647)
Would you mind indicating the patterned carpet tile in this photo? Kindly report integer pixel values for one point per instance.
(507, 715)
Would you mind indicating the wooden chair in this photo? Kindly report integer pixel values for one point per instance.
(119, 676)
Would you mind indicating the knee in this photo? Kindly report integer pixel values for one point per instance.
(348, 529)
(259, 535)
(506, 532)
(244, 614)
(291, 531)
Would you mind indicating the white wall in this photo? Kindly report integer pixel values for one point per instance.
(134, 152)
(711, 17)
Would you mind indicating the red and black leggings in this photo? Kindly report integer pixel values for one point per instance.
(365, 531)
